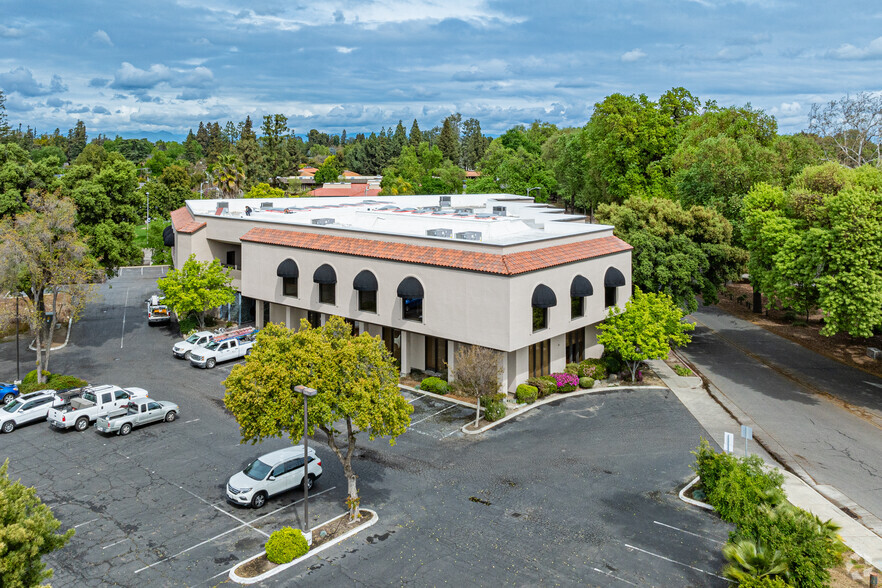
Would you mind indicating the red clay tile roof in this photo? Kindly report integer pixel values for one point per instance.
(184, 221)
(492, 263)
(355, 190)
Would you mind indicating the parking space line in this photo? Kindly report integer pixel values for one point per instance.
(86, 523)
(117, 543)
(610, 574)
(218, 536)
(679, 563)
(125, 308)
(690, 533)
(433, 415)
(417, 398)
(190, 421)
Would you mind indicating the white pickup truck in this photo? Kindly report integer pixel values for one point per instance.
(182, 349)
(90, 404)
(157, 312)
(219, 351)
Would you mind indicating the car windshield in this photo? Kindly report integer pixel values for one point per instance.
(192, 338)
(212, 345)
(12, 406)
(256, 470)
(90, 397)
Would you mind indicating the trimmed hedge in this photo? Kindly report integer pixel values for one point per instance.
(435, 385)
(494, 406)
(586, 383)
(53, 382)
(613, 363)
(526, 394)
(286, 545)
(572, 368)
(545, 384)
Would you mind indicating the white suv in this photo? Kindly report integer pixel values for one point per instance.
(27, 408)
(271, 474)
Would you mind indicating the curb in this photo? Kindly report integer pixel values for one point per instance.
(32, 347)
(554, 398)
(692, 501)
(436, 396)
(278, 569)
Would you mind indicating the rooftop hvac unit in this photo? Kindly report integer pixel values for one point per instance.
(323, 221)
(499, 210)
(440, 233)
(429, 209)
(483, 215)
(223, 204)
(444, 201)
(465, 210)
(266, 204)
(469, 235)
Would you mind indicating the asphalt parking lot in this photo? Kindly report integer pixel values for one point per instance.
(582, 492)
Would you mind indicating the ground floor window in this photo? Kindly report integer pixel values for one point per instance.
(576, 346)
(540, 358)
(436, 354)
(314, 319)
(392, 339)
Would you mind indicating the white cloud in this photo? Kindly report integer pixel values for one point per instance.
(848, 51)
(345, 50)
(129, 77)
(102, 37)
(10, 32)
(22, 80)
(633, 55)
(790, 107)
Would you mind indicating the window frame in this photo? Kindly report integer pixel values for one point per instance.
(286, 287)
(328, 294)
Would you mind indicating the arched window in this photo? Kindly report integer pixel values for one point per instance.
(612, 280)
(543, 299)
(410, 290)
(289, 272)
(326, 278)
(579, 289)
(366, 285)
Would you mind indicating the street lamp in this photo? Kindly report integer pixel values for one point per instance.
(534, 188)
(148, 207)
(307, 393)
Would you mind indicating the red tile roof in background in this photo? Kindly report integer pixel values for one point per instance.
(354, 190)
(492, 263)
(184, 222)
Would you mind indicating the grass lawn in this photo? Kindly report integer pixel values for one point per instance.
(141, 236)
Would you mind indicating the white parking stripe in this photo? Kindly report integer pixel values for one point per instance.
(610, 574)
(190, 421)
(679, 563)
(417, 398)
(691, 533)
(117, 543)
(86, 523)
(125, 308)
(433, 415)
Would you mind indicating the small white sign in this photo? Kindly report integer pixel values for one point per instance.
(729, 442)
(746, 432)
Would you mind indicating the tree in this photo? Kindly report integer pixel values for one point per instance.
(514, 171)
(650, 324)
(751, 560)
(274, 143)
(4, 122)
(850, 129)
(230, 176)
(262, 190)
(473, 145)
(27, 534)
(160, 253)
(356, 381)
(416, 136)
(77, 140)
(42, 255)
(19, 175)
(476, 373)
(684, 253)
(197, 287)
(448, 140)
(328, 172)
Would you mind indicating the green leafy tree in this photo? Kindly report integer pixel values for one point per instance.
(262, 190)
(473, 143)
(328, 172)
(43, 256)
(355, 377)
(197, 287)
(230, 175)
(4, 121)
(752, 560)
(514, 171)
(160, 253)
(684, 253)
(647, 329)
(27, 534)
(19, 174)
(448, 141)
(416, 136)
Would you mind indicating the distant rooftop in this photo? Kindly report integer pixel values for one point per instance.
(499, 219)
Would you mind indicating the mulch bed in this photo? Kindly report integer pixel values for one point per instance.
(261, 565)
(852, 351)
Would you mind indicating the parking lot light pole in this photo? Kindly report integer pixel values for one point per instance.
(307, 393)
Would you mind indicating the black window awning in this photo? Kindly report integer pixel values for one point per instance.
(325, 274)
(288, 269)
(581, 287)
(543, 297)
(365, 281)
(410, 288)
(613, 278)
(168, 236)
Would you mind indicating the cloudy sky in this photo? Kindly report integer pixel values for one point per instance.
(128, 67)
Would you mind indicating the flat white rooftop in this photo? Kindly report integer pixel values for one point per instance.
(498, 219)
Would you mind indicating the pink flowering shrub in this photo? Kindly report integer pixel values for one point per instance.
(566, 382)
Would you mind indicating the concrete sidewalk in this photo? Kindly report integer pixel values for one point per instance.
(717, 420)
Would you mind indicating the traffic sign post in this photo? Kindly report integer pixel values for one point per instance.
(728, 442)
(747, 434)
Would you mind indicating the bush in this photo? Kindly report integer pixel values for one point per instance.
(53, 382)
(572, 368)
(613, 363)
(764, 582)
(435, 385)
(565, 382)
(286, 545)
(592, 368)
(187, 325)
(494, 406)
(545, 384)
(586, 383)
(682, 370)
(526, 394)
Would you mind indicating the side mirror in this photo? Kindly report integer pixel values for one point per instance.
(271, 478)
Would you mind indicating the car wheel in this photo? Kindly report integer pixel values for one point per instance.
(125, 429)
(82, 424)
(259, 500)
(8, 426)
(210, 363)
(187, 356)
(310, 480)
(247, 352)
(170, 416)
(8, 398)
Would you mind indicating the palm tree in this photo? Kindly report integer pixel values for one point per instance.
(751, 560)
(230, 175)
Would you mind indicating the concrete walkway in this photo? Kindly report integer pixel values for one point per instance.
(718, 418)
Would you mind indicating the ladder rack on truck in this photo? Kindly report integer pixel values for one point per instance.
(235, 334)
